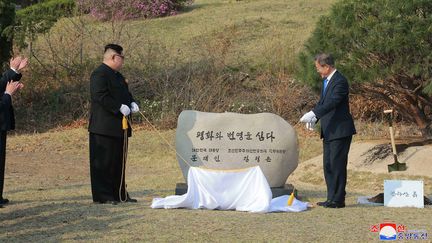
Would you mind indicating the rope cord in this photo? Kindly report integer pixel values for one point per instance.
(125, 150)
(163, 138)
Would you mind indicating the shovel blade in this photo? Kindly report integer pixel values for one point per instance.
(397, 167)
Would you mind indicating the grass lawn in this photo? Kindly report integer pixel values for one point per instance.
(47, 181)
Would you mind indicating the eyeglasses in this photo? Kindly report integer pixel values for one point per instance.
(321, 68)
(121, 56)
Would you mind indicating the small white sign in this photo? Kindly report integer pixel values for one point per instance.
(403, 193)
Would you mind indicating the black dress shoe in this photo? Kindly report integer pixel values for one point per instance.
(132, 200)
(129, 199)
(4, 201)
(335, 205)
(323, 203)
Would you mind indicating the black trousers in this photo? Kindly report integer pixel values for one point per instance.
(2, 160)
(106, 161)
(335, 161)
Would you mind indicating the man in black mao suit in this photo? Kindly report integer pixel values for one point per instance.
(110, 101)
(337, 129)
(8, 87)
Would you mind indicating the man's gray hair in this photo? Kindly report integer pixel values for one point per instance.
(325, 59)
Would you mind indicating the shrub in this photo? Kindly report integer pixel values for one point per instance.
(39, 18)
(130, 9)
(7, 14)
(383, 47)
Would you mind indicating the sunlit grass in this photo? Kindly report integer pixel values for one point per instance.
(52, 186)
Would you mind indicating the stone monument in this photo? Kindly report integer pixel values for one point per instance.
(229, 141)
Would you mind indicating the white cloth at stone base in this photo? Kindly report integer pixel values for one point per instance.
(242, 190)
(280, 204)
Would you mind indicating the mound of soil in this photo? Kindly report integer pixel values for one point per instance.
(382, 151)
(380, 199)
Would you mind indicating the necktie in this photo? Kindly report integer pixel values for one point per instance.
(325, 82)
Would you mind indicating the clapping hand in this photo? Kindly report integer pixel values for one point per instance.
(14, 63)
(13, 86)
(23, 63)
(18, 63)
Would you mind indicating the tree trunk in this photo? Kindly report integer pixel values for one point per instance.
(422, 122)
(427, 132)
(409, 106)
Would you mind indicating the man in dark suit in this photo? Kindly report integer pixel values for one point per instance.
(337, 129)
(8, 87)
(110, 101)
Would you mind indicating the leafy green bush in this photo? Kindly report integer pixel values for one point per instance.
(7, 15)
(39, 18)
(384, 48)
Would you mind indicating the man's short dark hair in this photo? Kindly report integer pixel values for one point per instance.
(325, 59)
(117, 48)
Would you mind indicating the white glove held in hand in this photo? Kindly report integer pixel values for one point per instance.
(124, 109)
(134, 107)
(308, 117)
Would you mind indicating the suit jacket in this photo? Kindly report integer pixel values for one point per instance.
(7, 117)
(333, 109)
(108, 91)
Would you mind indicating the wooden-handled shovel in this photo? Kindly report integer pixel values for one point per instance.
(396, 166)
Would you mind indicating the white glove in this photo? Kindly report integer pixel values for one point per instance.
(308, 117)
(134, 107)
(310, 126)
(124, 109)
